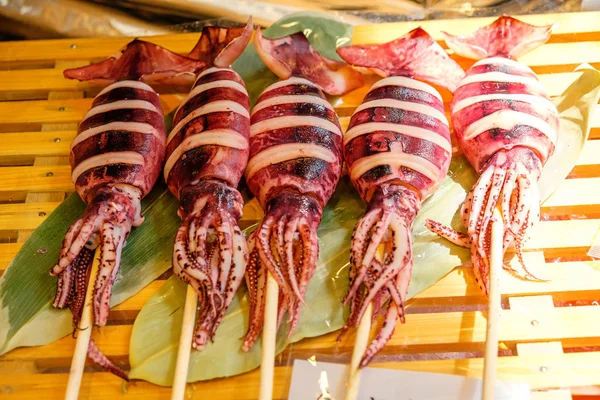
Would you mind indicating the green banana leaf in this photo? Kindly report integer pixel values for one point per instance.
(27, 289)
(156, 331)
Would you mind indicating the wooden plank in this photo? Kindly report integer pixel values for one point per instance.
(571, 277)
(35, 144)
(8, 251)
(28, 113)
(36, 178)
(541, 372)
(454, 331)
(574, 26)
(561, 234)
(24, 216)
(93, 48)
(86, 49)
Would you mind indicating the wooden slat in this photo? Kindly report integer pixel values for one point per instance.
(60, 111)
(28, 145)
(86, 49)
(561, 277)
(50, 178)
(24, 216)
(7, 253)
(575, 26)
(580, 369)
(91, 49)
(454, 330)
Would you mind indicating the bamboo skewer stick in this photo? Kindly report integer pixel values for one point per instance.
(269, 335)
(360, 345)
(84, 334)
(185, 344)
(361, 341)
(494, 306)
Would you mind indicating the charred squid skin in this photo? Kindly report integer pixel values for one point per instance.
(295, 164)
(115, 159)
(207, 152)
(507, 128)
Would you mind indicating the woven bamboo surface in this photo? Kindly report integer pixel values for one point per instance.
(550, 334)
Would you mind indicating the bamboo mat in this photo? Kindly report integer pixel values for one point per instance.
(550, 334)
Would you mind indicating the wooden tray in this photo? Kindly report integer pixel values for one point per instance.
(550, 333)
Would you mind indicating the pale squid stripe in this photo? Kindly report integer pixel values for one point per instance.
(292, 99)
(225, 83)
(120, 105)
(212, 107)
(407, 106)
(210, 71)
(501, 77)
(406, 82)
(288, 82)
(106, 159)
(507, 120)
(395, 160)
(504, 61)
(127, 84)
(139, 127)
(407, 130)
(287, 152)
(295, 121)
(215, 137)
(536, 101)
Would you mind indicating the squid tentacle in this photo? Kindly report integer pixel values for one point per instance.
(284, 245)
(256, 281)
(107, 221)
(358, 250)
(210, 252)
(508, 180)
(387, 279)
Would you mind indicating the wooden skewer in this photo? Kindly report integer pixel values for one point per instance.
(494, 306)
(361, 342)
(185, 344)
(360, 345)
(83, 334)
(269, 335)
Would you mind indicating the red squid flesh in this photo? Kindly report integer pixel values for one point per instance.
(116, 158)
(295, 164)
(397, 150)
(153, 64)
(507, 128)
(207, 153)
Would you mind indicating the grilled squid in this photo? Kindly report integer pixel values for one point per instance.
(153, 64)
(507, 128)
(397, 150)
(207, 153)
(295, 164)
(116, 158)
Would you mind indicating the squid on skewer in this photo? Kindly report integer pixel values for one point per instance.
(397, 149)
(295, 165)
(507, 128)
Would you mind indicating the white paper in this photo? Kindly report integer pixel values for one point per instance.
(327, 381)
